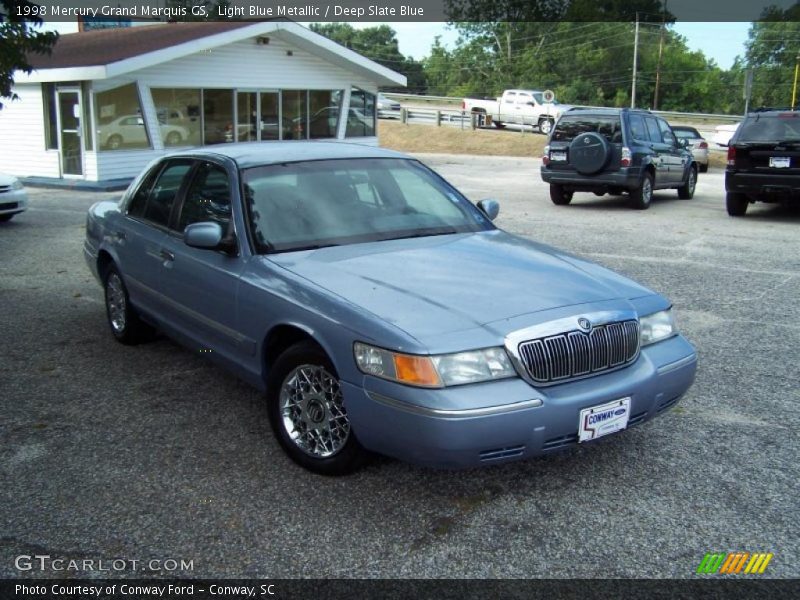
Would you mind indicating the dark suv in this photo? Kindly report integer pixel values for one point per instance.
(604, 150)
(763, 160)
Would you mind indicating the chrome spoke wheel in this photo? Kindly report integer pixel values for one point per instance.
(692, 182)
(115, 303)
(647, 191)
(312, 411)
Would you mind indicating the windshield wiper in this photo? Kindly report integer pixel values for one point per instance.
(417, 233)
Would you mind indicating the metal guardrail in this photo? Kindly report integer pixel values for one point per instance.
(457, 101)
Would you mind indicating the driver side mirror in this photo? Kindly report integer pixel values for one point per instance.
(208, 236)
(490, 207)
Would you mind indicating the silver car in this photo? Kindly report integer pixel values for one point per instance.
(13, 197)
(697, 144)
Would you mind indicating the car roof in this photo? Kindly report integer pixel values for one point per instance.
(601, 111)
(252, 154)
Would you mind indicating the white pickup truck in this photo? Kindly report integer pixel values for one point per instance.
(519, 107)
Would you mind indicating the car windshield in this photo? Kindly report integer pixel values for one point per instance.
(687, 133)
(782, 127)
(304, 205)
(571, 126)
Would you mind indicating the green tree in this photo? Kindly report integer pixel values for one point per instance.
(19, 38)
(379, 44)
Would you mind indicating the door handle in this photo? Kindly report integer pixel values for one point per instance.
(167, 255)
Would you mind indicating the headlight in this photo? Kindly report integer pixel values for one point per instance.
(16, 184)
(656, 327)
(434, 371)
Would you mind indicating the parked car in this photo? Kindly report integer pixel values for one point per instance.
(519, 107)
(387, 109)
(341, 280)
(13, 197)
(764, 160)
(697, 144)
(605, 150)
(723, 134)
(130, 130)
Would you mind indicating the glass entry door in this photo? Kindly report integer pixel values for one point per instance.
(258, 117)
(69, 132)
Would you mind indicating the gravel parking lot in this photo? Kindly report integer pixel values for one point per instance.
(148, 452)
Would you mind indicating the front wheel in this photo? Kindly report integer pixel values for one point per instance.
(545, 126)
(559, 195)
(736, 204)
(307, 412)
(126, 326)
(686, 191)
(643, 195)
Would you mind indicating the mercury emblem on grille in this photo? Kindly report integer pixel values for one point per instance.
(584, 324)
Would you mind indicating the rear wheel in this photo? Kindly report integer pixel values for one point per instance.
(686, 191)
(114, 142)
(126, 326)
(307, 412)
(545, 126)
(559, 195)
(643, 195)
(736, 204)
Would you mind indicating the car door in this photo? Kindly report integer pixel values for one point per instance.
(201, 285)
(138, 233)
(678, 156)
(662, 152)
(524, 114)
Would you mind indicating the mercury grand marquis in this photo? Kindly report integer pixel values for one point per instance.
(378, 309)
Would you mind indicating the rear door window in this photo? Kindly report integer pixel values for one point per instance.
(638, 129)
(654, 130)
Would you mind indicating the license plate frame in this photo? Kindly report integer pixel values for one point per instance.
(780, 162)
(609, 417)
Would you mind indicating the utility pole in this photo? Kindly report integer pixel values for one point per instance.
(794, 87)
(660, 53)
(635, 62)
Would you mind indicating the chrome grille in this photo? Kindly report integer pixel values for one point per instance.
(576, 354)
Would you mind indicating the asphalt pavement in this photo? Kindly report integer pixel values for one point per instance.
(150, 452)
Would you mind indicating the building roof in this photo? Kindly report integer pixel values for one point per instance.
(106, 46)
(102, 54)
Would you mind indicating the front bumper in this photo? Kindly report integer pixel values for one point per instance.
(625, 177)
(475, 425)
(13, 202)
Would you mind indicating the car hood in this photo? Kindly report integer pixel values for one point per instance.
(442, 284)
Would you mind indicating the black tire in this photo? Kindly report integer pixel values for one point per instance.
(545, 126)
(114, 142)
(327, 412)
(173, 138)
(736, 204)
(559, 195)
(589, 153)
(642, 196)
(5, 218)
(499, 124)
(686, 191)
(125, 324)
(704, 168)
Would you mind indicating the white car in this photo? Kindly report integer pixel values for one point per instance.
(13, 197)
(723, 134)
(129, 129)
(387, 109)
(697, 145)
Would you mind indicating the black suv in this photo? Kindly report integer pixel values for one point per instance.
(604, 150)
(763, 160)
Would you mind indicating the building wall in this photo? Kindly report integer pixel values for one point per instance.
(22, 136)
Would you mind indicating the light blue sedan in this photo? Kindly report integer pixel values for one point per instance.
(378, 309)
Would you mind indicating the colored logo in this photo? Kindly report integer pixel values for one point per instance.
(584, 324)
(734, 563)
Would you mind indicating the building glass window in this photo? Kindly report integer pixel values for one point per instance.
(120, 125)
(361, 116)
(295, 114)
(217, 116)
(50, 118)
(86, 123)
(324, 108)
(178, 113)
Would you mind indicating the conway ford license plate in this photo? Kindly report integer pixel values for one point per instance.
(601, 420)
(780, 162)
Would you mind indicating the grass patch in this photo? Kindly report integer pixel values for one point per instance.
(454, 140)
